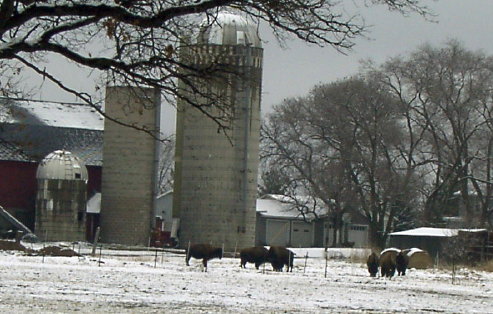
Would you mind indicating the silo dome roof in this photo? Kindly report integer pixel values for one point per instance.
(228, 29)
(62, 165)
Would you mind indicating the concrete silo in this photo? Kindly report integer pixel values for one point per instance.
(61, 197)
(130, 159)
(216, 173)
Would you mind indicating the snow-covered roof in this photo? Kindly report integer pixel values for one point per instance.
(280, 206)
(33, 129)
(68, 115)
(433, 232)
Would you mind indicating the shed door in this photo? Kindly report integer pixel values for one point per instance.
(277, 232)
(302, 234)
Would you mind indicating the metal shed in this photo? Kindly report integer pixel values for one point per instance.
(426, 238)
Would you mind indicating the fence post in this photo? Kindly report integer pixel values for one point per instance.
(188, 251)
(155, 258)
(96, 240)
(100, 254)
(326, 262)
(306, 259)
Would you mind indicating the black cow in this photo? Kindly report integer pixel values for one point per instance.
(279, 256)
(401, 261)
(257, 255)
(203, 251)
(372, 263)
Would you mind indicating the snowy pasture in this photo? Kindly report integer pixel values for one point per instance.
(146, 282)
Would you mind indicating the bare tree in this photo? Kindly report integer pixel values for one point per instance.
(10, 72)
(166, 165)
(414, 133)
(449, 96)
(137, 42)
(273, 181)
(344, 145)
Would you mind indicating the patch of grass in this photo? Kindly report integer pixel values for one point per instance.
(359, 258)
(486, 266)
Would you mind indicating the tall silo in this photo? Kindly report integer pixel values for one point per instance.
(130, 159)
(216, 172)
(61, 197)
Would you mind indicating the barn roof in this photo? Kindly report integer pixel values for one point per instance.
(56, 114)
(13, 152)
(31, 130)
(433, 232)
(280, 206)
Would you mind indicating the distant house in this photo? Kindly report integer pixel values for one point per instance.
(280, 222)
(29, 131)
(456, 215)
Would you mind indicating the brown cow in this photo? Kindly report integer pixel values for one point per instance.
(203, 251)
(279, 256)
(372, 263)
(388, 262)
(257, 255)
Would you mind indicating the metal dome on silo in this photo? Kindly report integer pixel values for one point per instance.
(62, 165)
(228, 29)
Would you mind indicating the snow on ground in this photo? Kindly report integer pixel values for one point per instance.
(138, 282)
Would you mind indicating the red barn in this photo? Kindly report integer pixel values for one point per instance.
(30, 130)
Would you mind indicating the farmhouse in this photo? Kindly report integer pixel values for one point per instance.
(280, 222)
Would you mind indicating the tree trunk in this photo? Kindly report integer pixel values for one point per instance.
(334, 230)
(376, 236)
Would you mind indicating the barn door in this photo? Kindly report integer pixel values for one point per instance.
(277, 232)
(302, 234)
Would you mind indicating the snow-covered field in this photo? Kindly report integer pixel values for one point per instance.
(137, 282)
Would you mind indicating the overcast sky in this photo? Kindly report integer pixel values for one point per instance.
(295, 70)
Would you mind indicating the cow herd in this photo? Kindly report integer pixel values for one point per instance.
(389, 261)
(277, 256)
